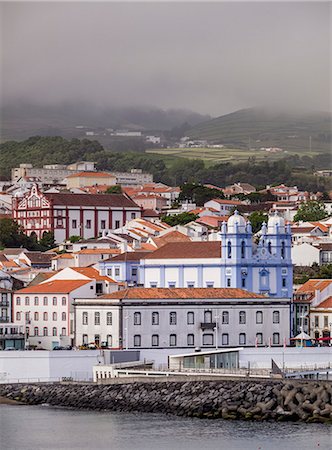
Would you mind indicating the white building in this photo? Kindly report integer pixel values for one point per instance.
(140, 318)
(65, 215)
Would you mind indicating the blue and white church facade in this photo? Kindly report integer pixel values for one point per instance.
(262, 265)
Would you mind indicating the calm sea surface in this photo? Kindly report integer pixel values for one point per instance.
(38, 427)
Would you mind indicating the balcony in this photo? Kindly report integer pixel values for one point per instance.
(208, 325)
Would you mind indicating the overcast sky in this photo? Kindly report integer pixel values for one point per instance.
(208, 57)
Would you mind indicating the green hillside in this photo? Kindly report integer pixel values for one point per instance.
(256, 128)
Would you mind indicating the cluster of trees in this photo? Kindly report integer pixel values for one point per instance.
(311, 211)
(305, 273)
(179, 219)
(198, 193)
(293, 170)
(12, 235)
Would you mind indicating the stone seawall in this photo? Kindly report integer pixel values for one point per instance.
(307, 401)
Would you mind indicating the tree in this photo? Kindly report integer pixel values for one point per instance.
(116, 189)
(179, 219)
(256, 219)
(74, 239)
(10, 233)
(311, 211)
(47, 241)
(198, 193)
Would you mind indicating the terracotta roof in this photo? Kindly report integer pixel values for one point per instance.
(97, 251)
(183, 293)
(226, 202)
(313, 285)
(115, 200)
(39, 257)
(54, 287)
(9, 263)
(129, 256)
(321, 226)
(64, 256)
(325, 246)
(186, 250)
(172, 236)
(212, 221)
(325, 304)
(150, 213)
(91, 175)
(92, 273)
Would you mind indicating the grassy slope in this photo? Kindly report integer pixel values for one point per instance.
(266, 129)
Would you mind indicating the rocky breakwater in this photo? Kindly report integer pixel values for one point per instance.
(251, 400)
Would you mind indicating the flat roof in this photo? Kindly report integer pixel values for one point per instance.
(208, 352)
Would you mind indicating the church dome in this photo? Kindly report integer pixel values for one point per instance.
(236, 223)
(275, 221)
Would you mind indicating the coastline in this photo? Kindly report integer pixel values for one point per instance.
(297, 401)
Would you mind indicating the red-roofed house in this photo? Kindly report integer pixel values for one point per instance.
(224, 207)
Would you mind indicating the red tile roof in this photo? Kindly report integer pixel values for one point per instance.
(325, 304)
(107, 200)
(54, 287)
(129, 256)
(92, 273)
(91, 175)
(187, 250)
(183, 293)
(313, 285)
(172, 236)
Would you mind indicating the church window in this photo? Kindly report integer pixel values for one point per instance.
(228, 282)
(243, 282)
(243, 249)
(283, 249)
(284, 284)
(269, 246)
(229, 249)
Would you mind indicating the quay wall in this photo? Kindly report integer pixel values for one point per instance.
(308, 401)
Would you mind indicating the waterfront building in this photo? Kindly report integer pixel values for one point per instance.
(163, 318)
(65, 215)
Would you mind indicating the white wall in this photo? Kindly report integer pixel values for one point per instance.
(47, 366)
(305, 255)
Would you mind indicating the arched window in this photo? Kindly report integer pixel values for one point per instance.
(155, 318)
(54, 331)
(63, 316)
(45, 316)
(243, 249)
(229, 249)
(45, 331)
(63, 331)
(109, 318)
(36, 316)
(137, 318)
(276, 338)
(18, 301)
(283, 250)
(207, 316)
(54, 316)
(63, 300)
(190, 340)
(155, 340)
(35, 331)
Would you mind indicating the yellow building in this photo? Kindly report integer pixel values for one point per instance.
(83, 179)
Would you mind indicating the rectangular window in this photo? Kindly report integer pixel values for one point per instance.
(190, 340)
(137, 340)
(172, 318)
(316, 321)
(190, 318)
(117, 271)
(208, 316)
(284, 282)
(109, 272)
(88, 224)
(171, 284)
(225, 317)
(133, 215)
(18, 301)
(326, 321)
(97, 318)
(134, 272)
(155, 318)
(63, 301)
(259, 317)
(74, 223)
(117, 224)
(84, 339)
(155, 340)
(243, 282)
(109, 318)
(276, 338)
(103, 224)
(259, 338)
(242, 317)
(207, 339)
(85, 318)
(209, 284)
(228, 282)
(172, 340)
(137, 318)
(242, 338)
(190, 284)
(153, 284)
(224, 339)
(276, 317)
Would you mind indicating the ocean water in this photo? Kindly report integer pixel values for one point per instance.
(43, 427)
